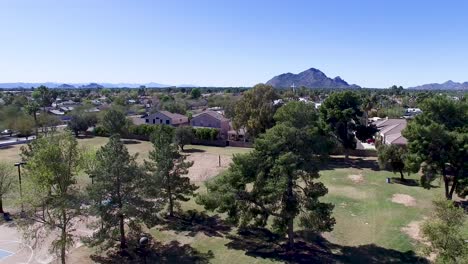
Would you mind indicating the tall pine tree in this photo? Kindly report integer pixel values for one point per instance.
(438, 143)
(118, 194)
(167, 168)
(277, 180)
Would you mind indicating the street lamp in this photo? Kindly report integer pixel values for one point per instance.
(143, 243)
(18, 164)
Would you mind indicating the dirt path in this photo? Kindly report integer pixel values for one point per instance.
(206, 165)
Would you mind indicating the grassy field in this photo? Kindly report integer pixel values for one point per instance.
(368, 210)
(364, 211)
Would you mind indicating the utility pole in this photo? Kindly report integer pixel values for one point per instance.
(18, 164)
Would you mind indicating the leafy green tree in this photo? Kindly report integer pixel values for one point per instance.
(20, 101)
(120, 100)
(6, 182)
(183, 136)
(24, 124)
(43, 96)
(32, 108)
(53, 199)
(367, 105)
(392, 157)
(364, 133)
(256, 109)
(115, 122)
(105, 92)
(8, 99)
(278, 178)
(80, 121)
(438, 143)
(117, 194)
(168, 167)
(7, 116)
(195, 93)
(48, 123)
(391, 112)
(341, 110)
(444, 233)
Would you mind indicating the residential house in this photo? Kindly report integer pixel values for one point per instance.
(390, 131)
(56, 112)
(411, 112)
(96, 102)
(211, 119)
(167, 118)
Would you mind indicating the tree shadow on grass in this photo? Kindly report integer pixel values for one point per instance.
(311, 248)
(85, 136)
(130, 141)
(411, 182)
(406, 182)
(374, 254)
(193, 150)
(6, 147)
(259, 242)
(196, 222)
(172, 252)
(357, 163)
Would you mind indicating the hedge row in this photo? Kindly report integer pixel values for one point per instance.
(206, 133)
(145, 131)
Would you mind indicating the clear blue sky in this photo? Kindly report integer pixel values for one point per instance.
(373, 43)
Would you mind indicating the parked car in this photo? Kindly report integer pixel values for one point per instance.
(8, 132)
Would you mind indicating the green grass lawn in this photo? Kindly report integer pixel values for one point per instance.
(364, 212)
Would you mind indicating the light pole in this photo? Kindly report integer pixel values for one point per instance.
(143, 243)
(18, 164)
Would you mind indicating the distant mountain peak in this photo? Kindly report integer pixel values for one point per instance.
(311, 78)
(66, 86)
(448, 85)
(313, 70)
(80, 85)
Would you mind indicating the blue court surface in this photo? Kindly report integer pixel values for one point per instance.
(4, 254)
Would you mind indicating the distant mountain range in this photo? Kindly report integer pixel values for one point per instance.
(448, 85)
(88, 85)
(311, 78)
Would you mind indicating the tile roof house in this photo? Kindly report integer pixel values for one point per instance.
(390, 131)
(167, 118)
(211, 119)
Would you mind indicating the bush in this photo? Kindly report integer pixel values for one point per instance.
(101, 132)
(206, 133)
(142, 130)
(213, 134)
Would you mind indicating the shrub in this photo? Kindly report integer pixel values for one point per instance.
(206, 133)
(101, 132)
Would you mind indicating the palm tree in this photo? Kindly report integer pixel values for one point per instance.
(32, 108)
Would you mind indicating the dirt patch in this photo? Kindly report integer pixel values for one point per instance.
(413, 230)
(206, 166)
(356, 178)
(404, 199)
